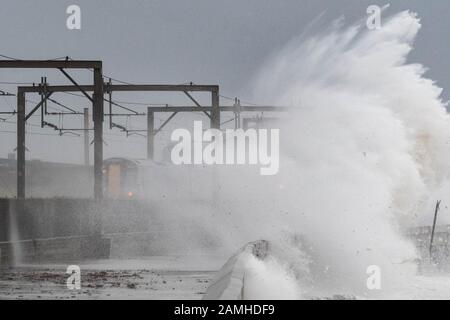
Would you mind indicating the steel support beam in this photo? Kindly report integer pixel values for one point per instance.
(128, 87)
(215, 110)
(222, 109)
(77, 85)
(98, 133)
(86, 136)
(165, 122)
(39, 105)
(150, 133)
(196, 103)
(163, 87)
(21, 145)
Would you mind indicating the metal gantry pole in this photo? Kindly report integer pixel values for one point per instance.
(20, 144)
(98, 133)
(150, 133)
(215, 108)
(86, 136)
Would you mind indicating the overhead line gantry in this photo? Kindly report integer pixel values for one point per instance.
(99, 88)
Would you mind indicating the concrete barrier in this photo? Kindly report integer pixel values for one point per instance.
(37, 230)
(52, 229)
(229, 281)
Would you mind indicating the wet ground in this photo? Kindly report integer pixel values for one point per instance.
(151, 278)
(173, 277)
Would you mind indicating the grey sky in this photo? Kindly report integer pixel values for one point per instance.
(163, 41)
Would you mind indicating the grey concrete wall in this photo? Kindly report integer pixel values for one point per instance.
(64, 217)
(132, 228)
(51, 229)
(48, 218)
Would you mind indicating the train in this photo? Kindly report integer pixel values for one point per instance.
(125, 178)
